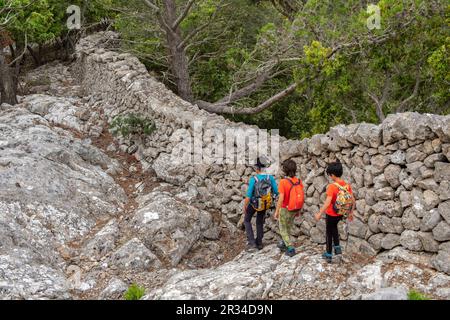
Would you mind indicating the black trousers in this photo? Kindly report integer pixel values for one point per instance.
(332, 233)
(260, 218)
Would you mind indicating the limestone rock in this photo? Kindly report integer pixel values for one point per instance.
(390, 241)
(442, 231)
(411, 240)
(134, 256)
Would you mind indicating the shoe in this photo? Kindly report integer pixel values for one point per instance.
(282, 246)
(337, 250)
(260, 246)
(327, 256)
(251, 248)
(290, 251)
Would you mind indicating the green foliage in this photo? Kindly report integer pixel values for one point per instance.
(416, 295)
(132, 124)
(134, 292)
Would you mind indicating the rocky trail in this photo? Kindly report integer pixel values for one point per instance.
(82, 218)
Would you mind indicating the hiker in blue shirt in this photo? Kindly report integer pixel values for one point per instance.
(261, 190)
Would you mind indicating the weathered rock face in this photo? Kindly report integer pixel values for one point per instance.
(53, 191)
(170, 226)
(270, 275)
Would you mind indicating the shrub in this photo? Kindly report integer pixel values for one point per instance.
(415, 295)
(134, 292)
(132, 124)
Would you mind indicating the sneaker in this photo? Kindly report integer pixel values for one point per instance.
(290, 251)
(327, 256)
(251, 248)
(282, 246)
(337, 250)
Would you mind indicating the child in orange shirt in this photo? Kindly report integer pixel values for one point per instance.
(334, 171)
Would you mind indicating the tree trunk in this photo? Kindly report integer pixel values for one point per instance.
(178, 58)
(7, 83)
(36, 56)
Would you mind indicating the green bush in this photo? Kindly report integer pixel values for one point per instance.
(415, 295)
(134, 292)
(132, 124)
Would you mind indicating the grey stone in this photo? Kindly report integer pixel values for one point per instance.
(390, 241)
(442, 261)
(442, 171)
(375, 241)
(413, 155)
(392, 173)
(387, 294)
(386, 193)
(430, 199)
(357, 228)
(410, 221)
(169, 226)
(442, 231)
(390, 225)
(389, 208)
(431, 160)
(430, 220)
(134, 256)
(444, 210)
(444, 190)
(428, 242)
(114, 289)
(411, 240)
(398, 157)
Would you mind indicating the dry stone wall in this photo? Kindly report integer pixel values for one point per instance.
(399, 170)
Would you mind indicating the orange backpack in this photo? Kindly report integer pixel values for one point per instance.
(296, 196)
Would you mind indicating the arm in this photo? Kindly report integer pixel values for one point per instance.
(249, 193)
(324, 207)
(279, 204)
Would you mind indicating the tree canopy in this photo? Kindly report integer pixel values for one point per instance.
(300, 66)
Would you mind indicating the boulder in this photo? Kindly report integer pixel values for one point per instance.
(428, 242)
(430, 220)
(442, 231)
(411, 240)
(444, 211)
(390, 225)
(442, 171)
(387, 294)
(169, 226)
(134, 256)
(398, 157)
(390, 241)
(410, 221)
(392, 173)
(442, 261)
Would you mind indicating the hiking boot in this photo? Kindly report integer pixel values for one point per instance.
(260, 246)
(327, 256)
(251, 248)
(337, 250)
(282, 246)
(290, 251)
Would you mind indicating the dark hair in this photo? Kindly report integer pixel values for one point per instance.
(261, 162)
(335, 168)
(290, 168)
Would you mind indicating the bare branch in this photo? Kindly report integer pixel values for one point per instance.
(223, 108)
(183, 15)
(401, 106)
(152, 5)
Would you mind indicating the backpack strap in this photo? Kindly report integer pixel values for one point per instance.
(345, 187)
